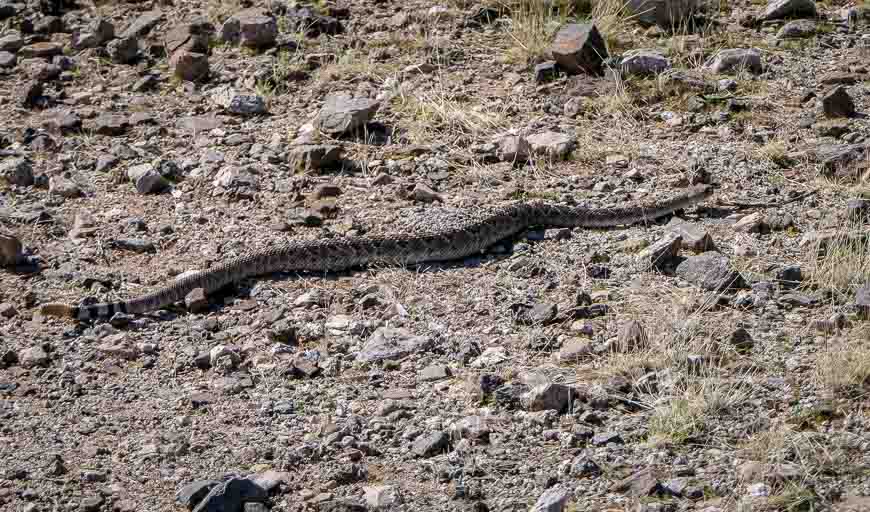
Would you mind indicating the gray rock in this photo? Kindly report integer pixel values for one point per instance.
(644, 62)
(694, 237)
(147, 179)
(552, 144)
(382, 497)
(123, 50)
(575, 349)
(342, 114)
(583, 466)
(752, 223)
(315, 156)
(710, 271)
(189, 66)
(231, 495)
(514, 148)
(7, 60)
(838, 160)
(539, 314)
(340, 505)
(142, 25)
(741, 340)
(632, 336)
(63, 186)
(838, 103)
(789, 276)
(667, 14)
(660, 253)
(196, 301)
(235, 102)
(579, 48)
(548, 396)
(254, 28)
(16, 171)
(111, 124)
(641, 484)
(29, 93)
(391, 343)
(11, 41)
(605, 438)
(10, 250)
(42, 50)
(192, 37)
(429, 445)
(7, 310)
(91, 504)
(736, 59)
(797, 29)
(553, 499)
(33, 357)
(779, 9)
(434, 372)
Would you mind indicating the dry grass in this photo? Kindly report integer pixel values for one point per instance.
(681, 416)
(842, 263)
(439, 115)
(354, 64)
(843, 368)
(534, 23)
(687, 394)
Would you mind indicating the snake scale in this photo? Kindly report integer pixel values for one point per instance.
(440, 242)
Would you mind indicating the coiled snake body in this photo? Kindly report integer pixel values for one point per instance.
(440, 242)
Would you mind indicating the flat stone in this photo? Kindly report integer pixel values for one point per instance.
(548, 396)
(391, 343)
(431, 444)
(710, 271)
(554, 499)
(735, 59)
(43, 50)
(342, 114)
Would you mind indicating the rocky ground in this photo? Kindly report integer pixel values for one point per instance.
(715, 361)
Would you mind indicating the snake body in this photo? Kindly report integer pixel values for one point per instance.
(439, 242)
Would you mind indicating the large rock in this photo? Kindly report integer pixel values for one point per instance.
(342, 114)
(16, 171)
(188, 65)
(838, 103)
(736, 59)
(391, 343)
(778, 9)
(667, 14)
(579, 48)
(231, 496)
(307, 157)
(193, 37)
(10, 250)
(552, 144)
(254, 28)
(553, 499)
(710, 271)
(235, 102)
(123, 50)
(142, 25)
(644, 63)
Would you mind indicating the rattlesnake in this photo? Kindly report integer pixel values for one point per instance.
(439, 241)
